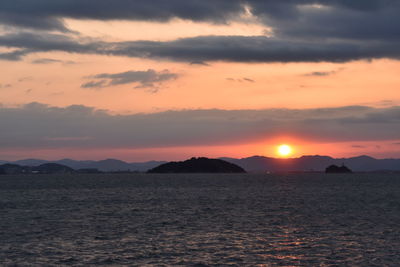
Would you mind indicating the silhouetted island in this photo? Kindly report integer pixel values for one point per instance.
(47, 168)
(198, 165)
(337, 169)
(52, 168)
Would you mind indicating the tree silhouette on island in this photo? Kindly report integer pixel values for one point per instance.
(337, 169)
(198, 165)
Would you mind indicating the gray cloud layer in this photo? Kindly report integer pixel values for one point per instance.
(205, 48)
(47, 14)
(42, 126)
(335, 31)
(144, 79)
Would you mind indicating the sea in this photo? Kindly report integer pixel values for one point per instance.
(200, 220)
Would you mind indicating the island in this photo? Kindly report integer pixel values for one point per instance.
(198, 165)
(337, 169)
(47, 168)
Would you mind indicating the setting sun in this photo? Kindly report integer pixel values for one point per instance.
(284, 150)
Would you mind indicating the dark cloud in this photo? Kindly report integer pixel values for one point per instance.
(208, 48)
(355, 19)
(254, 49)
(143, 79)
(45, 42)
(304, 30)
(42, 126)
(48, 14)
(31, 21)
(14, 55)
(366, 20)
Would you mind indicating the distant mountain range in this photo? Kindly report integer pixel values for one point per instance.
(107, 165)
(251, 164)
(314, 163)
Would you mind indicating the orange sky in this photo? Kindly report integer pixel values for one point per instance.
(217, 85)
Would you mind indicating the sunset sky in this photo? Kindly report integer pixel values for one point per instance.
(171, 79)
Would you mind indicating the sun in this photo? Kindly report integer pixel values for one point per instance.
(285, 150)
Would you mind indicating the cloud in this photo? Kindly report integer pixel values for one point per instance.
(249, 80)
(25, 79)
(207, 48)
(303, 30)
(45, 61)
(50, 61)
(49, 14)
(29, 42)
(358, 146)
(143, 79)
(373, 20)
(201, 63)
(320, 73)
(26, 20)
(250, 49)
(95, 84)
(368, 19)
(241, 80)
(3, 86)
(14, 55)
(43, 126)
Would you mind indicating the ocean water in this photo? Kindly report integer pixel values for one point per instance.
(200, 220)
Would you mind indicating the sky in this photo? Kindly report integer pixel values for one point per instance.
(171, 79)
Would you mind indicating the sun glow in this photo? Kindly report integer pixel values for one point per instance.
(285, 150)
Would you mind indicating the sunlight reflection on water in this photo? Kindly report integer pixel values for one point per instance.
(200, 220)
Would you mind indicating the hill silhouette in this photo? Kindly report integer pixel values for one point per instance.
(251, 164)
(314, 163)
(52, 168)
(47, 168)
(107, 165)
(337, 169)
(198, 165)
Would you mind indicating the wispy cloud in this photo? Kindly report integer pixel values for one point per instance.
(2, 86)
(143, 79)
(241, 80)
(320, 73)
(358, 146)
(51, 61)
(201, 63)
(25, 79)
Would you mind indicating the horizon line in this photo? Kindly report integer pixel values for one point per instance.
(221, 157)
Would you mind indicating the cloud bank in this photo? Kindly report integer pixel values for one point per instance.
(204, 48)
(303, 30)
(41, 126)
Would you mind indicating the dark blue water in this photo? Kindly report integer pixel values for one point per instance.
(200, 220)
